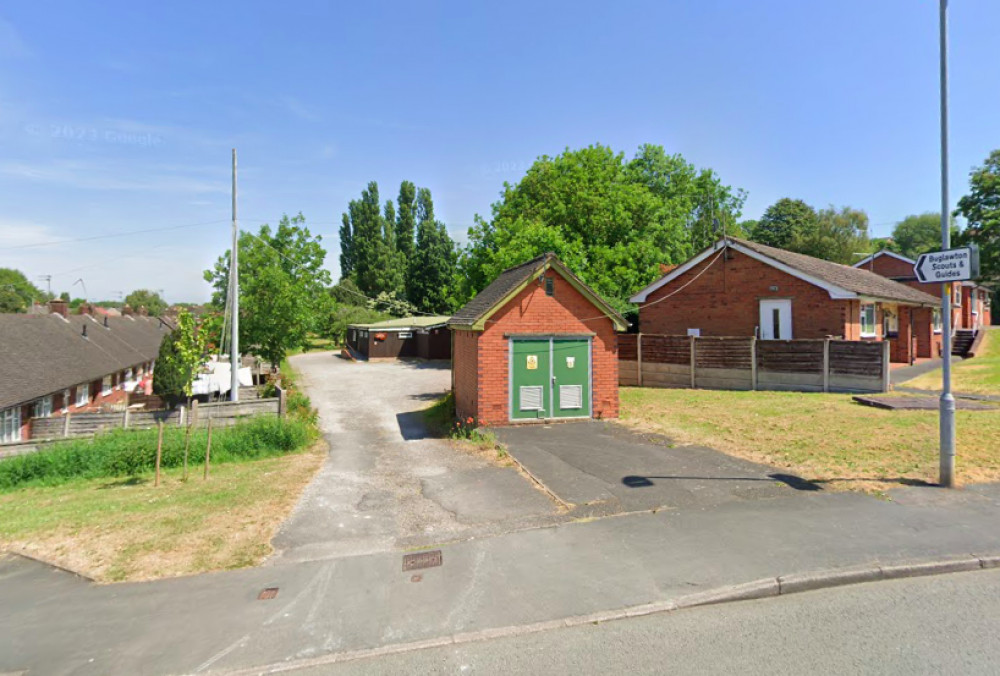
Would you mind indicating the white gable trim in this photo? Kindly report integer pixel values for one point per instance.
(674, 274)
(836, 292)
(884, 252)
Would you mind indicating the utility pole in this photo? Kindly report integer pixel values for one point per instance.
(947, 423)
(48, 280)
(234, 281)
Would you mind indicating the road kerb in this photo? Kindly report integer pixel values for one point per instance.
(931, 568)
(757, 589)
(989, 561)
(821, 579)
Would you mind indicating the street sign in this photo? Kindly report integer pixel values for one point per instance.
(953, 265)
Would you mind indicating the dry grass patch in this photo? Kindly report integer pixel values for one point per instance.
(825, 438)
(127, 530)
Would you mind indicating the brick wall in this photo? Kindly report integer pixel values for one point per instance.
(724, 302)
(533, 312)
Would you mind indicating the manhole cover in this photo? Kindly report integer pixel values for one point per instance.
(267, 594)
(421, 560)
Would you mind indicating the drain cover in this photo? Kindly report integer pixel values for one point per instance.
(421, 560)
(267, 594)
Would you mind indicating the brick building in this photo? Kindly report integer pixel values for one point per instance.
(535, 344)
(58, 363)
(742, 288)
(970, 300)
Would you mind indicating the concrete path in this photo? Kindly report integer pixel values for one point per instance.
(605, 468)
(485, 587)
(902, 374)
(386, 484)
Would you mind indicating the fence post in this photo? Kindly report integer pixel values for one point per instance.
(282, 403)
(125, 412)
(694, 351)
(638, 349)
(753, 363)
(826, 365)
(66, 424)
(885, 366)
(159, 453)
(180, 419)
(194, 413)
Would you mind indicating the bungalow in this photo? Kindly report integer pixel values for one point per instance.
(57, 363)
(970, 300)
(424, 337)
(741, 288)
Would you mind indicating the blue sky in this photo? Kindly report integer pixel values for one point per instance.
(120, 116)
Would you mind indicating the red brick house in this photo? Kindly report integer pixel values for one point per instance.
(536, 344)
(742, 288)
(970, 301)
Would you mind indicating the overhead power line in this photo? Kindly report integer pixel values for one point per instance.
(111, 235)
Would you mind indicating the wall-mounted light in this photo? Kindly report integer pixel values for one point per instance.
(773, 288)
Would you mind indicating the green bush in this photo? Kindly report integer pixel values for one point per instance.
(131, 452)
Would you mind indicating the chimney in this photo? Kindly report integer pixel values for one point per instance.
(85, 309)
(58, 306)
(127, 311)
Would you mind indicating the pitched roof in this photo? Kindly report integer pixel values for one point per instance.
(883, 252)
(841, 281)
(406, 323)
(43, 354)
(512, 279)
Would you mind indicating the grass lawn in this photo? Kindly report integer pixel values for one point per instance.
(979, 375)
(820, 437)
(125, 529)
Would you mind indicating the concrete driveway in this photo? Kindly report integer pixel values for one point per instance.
(387, 484)
(603, 468)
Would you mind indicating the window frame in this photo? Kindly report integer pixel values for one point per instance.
(10, 424)
(83, 390)
(937, 323)
(873, 330)
(43, 407)
(107, 385)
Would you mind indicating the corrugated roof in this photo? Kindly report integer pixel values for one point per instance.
(860, 281)
(43, 354)
(406, 323)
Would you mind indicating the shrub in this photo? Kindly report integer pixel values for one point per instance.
(131, 452)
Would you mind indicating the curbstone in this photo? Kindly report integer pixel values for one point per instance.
(991, 561)
(931, 568)
(800, 582)
(747, 591)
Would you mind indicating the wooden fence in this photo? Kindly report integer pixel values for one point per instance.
(222, 413)
(824, 365)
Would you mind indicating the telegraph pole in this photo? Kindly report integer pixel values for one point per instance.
(947, 424)
(234, 281)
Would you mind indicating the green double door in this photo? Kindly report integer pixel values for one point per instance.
(550, 378)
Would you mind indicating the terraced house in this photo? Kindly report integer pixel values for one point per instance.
(56, 363)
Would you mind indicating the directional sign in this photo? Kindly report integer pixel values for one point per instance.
(954, 265)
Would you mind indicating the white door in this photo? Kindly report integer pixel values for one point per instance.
(776, 319)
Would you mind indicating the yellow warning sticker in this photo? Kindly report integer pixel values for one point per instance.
(532, 362)
(570, 362)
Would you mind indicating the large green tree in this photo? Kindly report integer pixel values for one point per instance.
(917, 234)
(839, 236)
(431, 274)
(182, 353)
(405, 225)
(981, 207)
(374, 264)
(283, 287)
(16, 292)
(612, 220)
(150, 300)
(784, 222)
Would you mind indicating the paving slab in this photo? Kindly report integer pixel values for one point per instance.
(916, 403)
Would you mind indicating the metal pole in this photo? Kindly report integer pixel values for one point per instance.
(947, 424)
(234, 280)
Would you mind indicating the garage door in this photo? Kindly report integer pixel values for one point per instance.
(550, 378)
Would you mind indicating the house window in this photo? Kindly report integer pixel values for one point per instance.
(82, 395)
(67, 398)
(43, 407)
(403, 335)
(936, 319)
(107, 384)
(956, 295)
(867, 320)
(10, 424)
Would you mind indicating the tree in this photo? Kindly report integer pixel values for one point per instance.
(406, 220)
(838, 236)
(918, 234)
(981, 207)
(613, 221)
(282, 287)
(346, 247)
(16, 292)
(182, 353)
(432, 269)
(150, 300)
(784, 222)
(374, 265)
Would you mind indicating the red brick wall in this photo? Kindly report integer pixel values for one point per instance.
(533, 312)
(465, 366)
(724, 301)
(928, 342)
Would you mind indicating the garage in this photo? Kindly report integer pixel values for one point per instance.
(536, 344)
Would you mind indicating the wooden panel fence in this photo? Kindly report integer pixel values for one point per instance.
(222, 414)
(733, 363)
